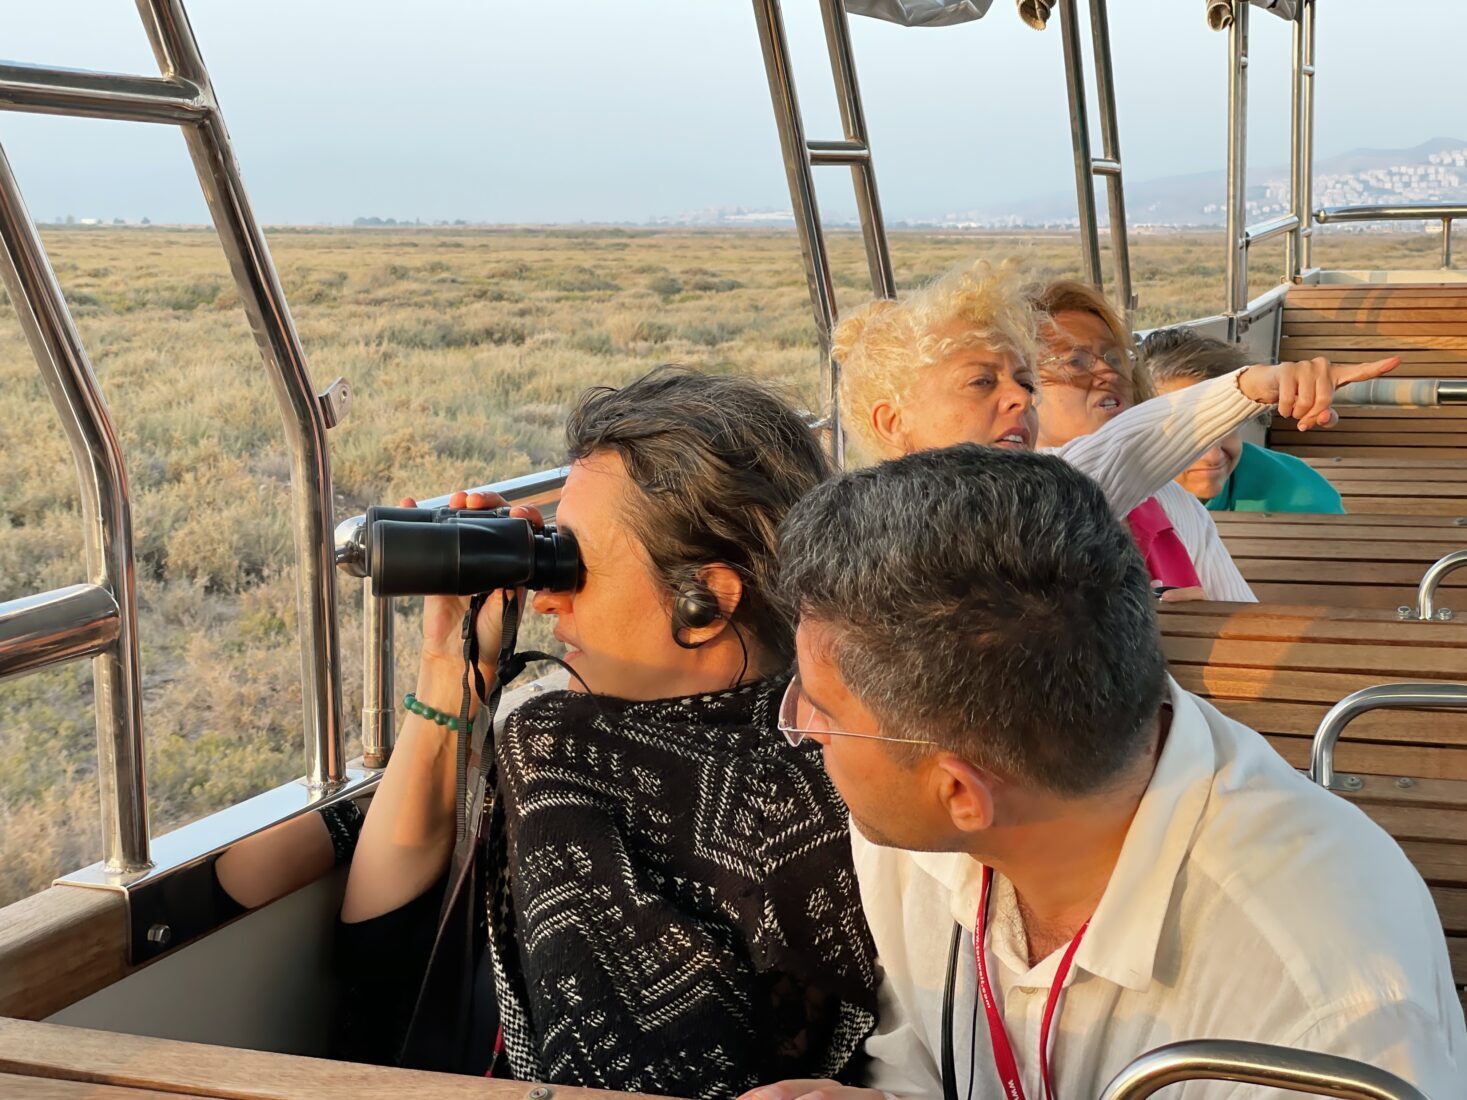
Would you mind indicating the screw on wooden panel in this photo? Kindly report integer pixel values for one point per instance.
(160, 934)
(539, 1093)
(1349, 782)
(1460, 521)
(1444, 614)
(1404, 612)
(1405, 782)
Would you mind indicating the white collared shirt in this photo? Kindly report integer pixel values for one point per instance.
(1247, 903)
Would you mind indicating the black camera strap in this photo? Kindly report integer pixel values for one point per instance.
(473, 781)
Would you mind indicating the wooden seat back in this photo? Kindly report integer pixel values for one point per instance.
(1279, 669)
(1354, 323)
(1358, 561)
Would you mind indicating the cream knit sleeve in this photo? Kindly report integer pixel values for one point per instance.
(1146, 446)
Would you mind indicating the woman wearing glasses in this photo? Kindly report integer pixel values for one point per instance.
(1089, 375)
(955, 362)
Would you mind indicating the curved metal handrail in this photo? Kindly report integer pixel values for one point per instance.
(1445, 212)
(1378, 697)
(1303, 1071)
(1426, 593)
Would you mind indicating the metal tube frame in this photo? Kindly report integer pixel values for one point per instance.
(1445, 212)
(49, 628)
(1237, 196)
(1088, 166)
(801, 156)
(1304, 1071)
(1300, 246)
(178, 55)
(106, 523)
(1240, 236)
(1378, 697)
(117, 96)
(100, 619)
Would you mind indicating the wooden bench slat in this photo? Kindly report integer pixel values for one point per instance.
(1425, 662)
(1445, 454)
(1421, 342)
(1319, 549)
(1412, 330)
(1299, 623)
(1237, 682)
(1425, 310)
(1402, 727)
(1353, 520)
(1438, 861)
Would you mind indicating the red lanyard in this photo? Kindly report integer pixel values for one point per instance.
(1003, 1051)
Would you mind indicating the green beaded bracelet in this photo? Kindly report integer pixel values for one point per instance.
(433, 714)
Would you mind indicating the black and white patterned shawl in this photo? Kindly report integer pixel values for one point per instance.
(673, 907)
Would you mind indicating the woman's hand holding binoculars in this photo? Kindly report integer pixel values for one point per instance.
(441, 669)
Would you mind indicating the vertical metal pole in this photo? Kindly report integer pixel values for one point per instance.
(1237, 265)
(1300, 243)
(853, 119)
(305, 426)
(1110, 140)
(1080, 137)
(378, 703)
(787, 118)
(106, 523)
(1446, 244)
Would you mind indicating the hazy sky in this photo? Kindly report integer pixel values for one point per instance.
(564, 110)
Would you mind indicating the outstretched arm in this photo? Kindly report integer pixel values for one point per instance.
(1146, 446)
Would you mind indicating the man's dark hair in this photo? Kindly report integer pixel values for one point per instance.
(718, 461)
(990, 601)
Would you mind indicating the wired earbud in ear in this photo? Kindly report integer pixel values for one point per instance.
(694, 608)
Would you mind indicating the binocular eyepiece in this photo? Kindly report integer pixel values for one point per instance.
(461, 552)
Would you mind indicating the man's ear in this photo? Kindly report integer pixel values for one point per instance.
(886, 423)
(966, 793)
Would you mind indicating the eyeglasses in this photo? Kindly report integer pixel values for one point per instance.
(1079, 362)
(799, 718)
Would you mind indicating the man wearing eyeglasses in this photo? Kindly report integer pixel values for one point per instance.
(1065, 859)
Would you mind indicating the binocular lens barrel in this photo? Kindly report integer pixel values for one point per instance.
(423, 552)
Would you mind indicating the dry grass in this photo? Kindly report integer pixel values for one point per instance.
(463, 349)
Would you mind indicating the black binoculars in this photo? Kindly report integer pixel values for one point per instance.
(461, 552)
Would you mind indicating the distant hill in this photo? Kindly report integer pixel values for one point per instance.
(1434, 171)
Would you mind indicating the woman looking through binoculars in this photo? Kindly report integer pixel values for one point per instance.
(668, 901)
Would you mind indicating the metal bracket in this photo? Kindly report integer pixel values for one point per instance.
(175, 902)
(1350, 783)
(1407, 613)
(335, 402)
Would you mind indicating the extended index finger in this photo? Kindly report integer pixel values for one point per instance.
(1343, 373)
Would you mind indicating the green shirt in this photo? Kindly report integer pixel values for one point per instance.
(1269, 481)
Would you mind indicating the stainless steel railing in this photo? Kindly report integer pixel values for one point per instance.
(801, 156)
(1087, 166)
(1295, 224)
(1444, 212)
(99, 619)
(1426, 608)
(1304, 1071)
(379, 703)
(1377, 697)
